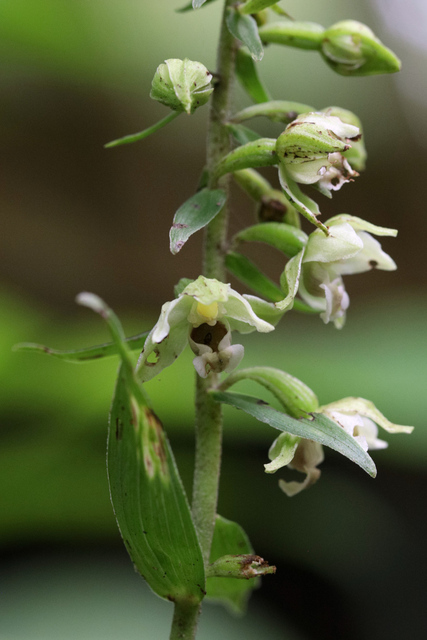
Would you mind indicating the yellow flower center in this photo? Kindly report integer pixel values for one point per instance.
(208, 312)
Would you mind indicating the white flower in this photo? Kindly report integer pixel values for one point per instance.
(299, 454)
(348, 249)
(359, 418)
(311, 149)
(204, 315)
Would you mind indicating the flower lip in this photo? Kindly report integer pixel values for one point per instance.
(209, 336)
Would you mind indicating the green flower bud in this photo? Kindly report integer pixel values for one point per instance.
(181, 85)
(352, 49)
(311, 150)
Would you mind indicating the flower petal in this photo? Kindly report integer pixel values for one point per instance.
(367, 409)
(241, 315)
(370, 257)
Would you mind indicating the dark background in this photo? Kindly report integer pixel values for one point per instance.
(350, 551)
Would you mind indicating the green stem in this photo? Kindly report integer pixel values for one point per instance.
(184, 623)
(208, 412)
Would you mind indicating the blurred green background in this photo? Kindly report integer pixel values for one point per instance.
(350, 551)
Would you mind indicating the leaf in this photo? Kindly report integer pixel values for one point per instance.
(195, 214)
(318, 428)
(135, 343)
(302, 203)
(230, 538)
(247, 75)
(284, 237)
(245, 29)
(135, 137)
(248, 273)
(148, 498)
(242, 134)
(276, 110)
(195, 4)
(254, 6)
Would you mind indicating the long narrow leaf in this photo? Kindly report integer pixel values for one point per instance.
(149, 500)
(319, 428)
(247, 75)
(135, 343)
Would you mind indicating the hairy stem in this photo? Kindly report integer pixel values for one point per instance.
(208, 412)
(184, 624)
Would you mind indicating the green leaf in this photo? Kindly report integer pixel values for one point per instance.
(229, 538)
(198, 3)
(259, 153)
(195, 214)
(302, 203)
(276, 110)
(242, 134)
(295, 397)
(148, 498)
(195, 4)
(284, 237)
(318, 428)
(247, 272)
(245, 29)
(254, 6)
(303, 35)
(135, 343)
(135, 137)
(247, 75)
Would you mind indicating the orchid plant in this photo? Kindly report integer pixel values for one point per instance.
(185, 550)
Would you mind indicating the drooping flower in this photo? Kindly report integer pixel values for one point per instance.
(203, 315)
(348, 249)
(311, 149)
(359, 418)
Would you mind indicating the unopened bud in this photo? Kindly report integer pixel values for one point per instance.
(182, 85)
(352, 49)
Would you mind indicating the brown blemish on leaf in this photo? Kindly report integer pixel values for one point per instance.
(119, 429)
(179, 225)
(156, 438)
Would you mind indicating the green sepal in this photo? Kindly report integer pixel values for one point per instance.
(317, 428)
(195, 214)
(302, 203)
(194, 4)
(303, 35)
(135, 137)
(245, 29)
(148, 498)
(282, 452)
(259, 153)
(253, 6)
(284, 237)
(248, 273)
(180, 285)
(296, 398)
(275, 110)
(242, 134)
(289, 281)
(247, 75)
(229, 538)
(106, 350)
